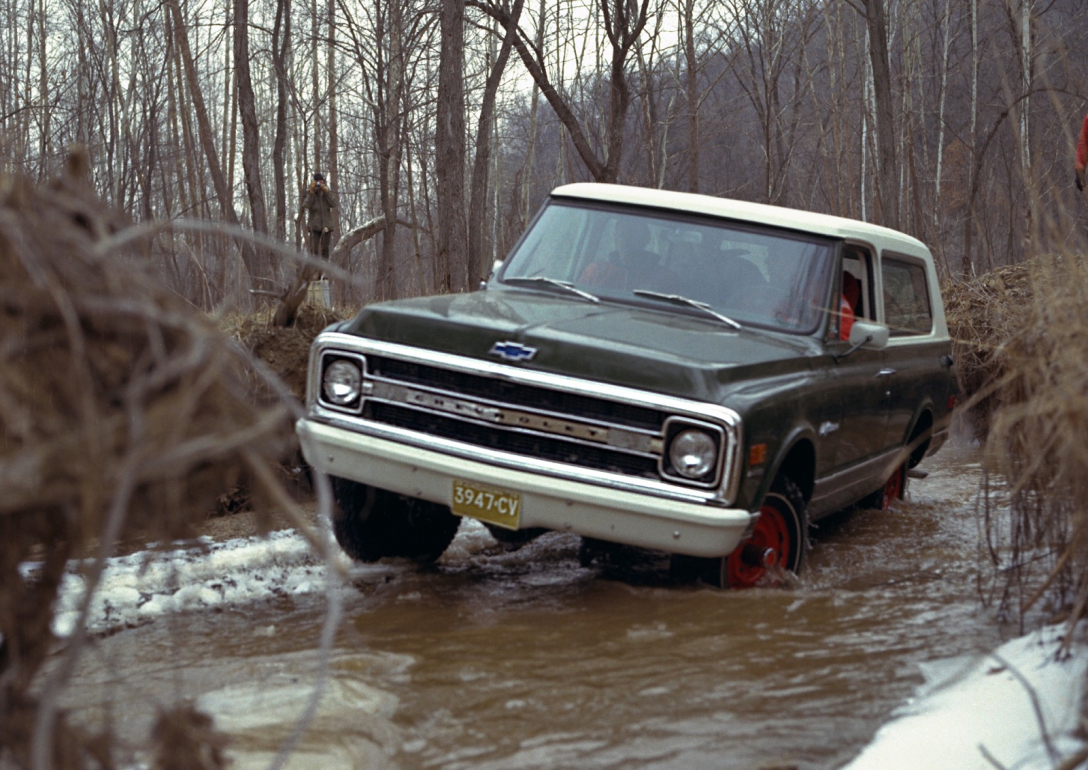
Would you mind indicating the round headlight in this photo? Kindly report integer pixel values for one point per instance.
(693, 453)
(342, 382)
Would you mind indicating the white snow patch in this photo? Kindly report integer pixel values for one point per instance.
(472, 538)
(279, 702)
(235, 572)
(969, 709)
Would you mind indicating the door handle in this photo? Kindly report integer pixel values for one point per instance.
(886, 372)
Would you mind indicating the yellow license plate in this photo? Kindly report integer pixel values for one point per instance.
(495, 506)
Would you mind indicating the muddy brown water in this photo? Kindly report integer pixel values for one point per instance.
(525, 659)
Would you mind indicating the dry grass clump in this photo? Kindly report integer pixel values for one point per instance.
(124, 413)
(1033, 370)
(285, 349)
(983, 315)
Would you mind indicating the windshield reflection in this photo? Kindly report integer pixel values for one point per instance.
(757, 276)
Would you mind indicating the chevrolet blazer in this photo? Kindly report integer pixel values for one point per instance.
(678, 372)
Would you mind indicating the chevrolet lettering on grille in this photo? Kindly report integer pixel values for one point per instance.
(512, 351)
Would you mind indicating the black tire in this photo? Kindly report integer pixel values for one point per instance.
(603, 552)
(590, 550)
(371, 523)
(895, 488)
(782, 527)
(688, 569)
(514, 539)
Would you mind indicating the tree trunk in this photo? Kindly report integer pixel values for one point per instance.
(206, 137)
(251, 141)
(887, 166)
(534, 110)
(334, 139)
(477, 212)
(946, 30)
(315, 91)
(388, 100)
(691, 87)
(452, 240)
(353, 238)
(624, 21)
(43, 95)
(230, 107)
(281, 39)
(1027, 171)
(966, 266)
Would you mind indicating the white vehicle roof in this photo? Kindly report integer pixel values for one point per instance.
(776, 216)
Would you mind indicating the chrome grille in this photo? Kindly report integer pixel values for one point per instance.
(523, 443)
(514, 417)
(485, 410)
(513, 393)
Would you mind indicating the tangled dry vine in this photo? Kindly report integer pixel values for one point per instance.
(125, 413)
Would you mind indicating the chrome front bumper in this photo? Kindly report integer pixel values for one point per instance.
(562, 504)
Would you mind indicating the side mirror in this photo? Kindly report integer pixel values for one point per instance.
(869, 334)
(494, 269)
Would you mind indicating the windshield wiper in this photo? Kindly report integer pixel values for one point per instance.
(676, 299)
(565, 286)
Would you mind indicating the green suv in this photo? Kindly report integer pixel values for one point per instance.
(677, 372)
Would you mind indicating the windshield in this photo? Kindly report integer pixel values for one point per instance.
(758, 276)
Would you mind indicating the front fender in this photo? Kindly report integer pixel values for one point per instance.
(796, 456)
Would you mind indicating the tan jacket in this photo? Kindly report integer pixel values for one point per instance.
(318, 205)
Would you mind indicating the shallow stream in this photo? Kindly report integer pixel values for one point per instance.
(496, 659)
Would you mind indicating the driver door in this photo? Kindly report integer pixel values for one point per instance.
(862, 391)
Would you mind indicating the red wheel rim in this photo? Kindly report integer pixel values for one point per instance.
(893, 489)
(770, 534)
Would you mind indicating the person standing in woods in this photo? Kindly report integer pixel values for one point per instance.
(318, 205)
(1082, 154)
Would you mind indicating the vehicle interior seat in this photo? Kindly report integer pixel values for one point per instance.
(851, 293)
(604, 274)
(743, 282)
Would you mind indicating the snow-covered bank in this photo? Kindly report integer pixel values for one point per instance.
(1019, 706)
(230, 573)
(236, 572)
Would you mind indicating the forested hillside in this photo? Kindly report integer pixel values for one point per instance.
(954, 120)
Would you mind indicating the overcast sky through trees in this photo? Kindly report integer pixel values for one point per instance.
(953, 120)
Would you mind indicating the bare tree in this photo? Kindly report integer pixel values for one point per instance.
(887, 167)
(451, 239)
(281, 40)
(481, 169)
(623, 22)
(207, 142)
(251, 140)
(773, 36)
(866, 108)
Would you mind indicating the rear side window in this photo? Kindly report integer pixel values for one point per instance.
(906, 297)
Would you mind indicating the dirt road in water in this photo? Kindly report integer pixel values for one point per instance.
(495, 659)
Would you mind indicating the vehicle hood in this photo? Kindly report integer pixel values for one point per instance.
(667, 351)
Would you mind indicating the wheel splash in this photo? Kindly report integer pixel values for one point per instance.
(895, 488)
(763, 557)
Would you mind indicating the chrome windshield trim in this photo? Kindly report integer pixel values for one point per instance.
(516, 462)
(724, 416)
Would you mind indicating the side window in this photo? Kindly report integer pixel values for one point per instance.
(855, 292)
(906, 297)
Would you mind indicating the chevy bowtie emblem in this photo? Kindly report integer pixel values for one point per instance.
(512, 351)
